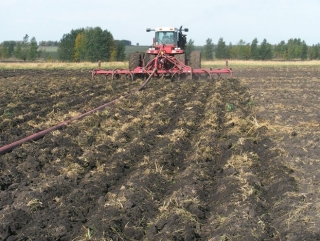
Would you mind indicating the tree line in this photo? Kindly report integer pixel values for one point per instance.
(24, 50)
(49, 43)
(92, 44)
(293, 49)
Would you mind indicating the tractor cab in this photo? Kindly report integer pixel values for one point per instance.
(169, 36)
(166, 37)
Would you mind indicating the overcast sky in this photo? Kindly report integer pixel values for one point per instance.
(232, 20)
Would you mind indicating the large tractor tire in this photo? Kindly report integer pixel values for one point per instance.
(181, 58)
(195, 60)
(148, 58)
(135, 60)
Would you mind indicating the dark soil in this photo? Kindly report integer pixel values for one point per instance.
(230, 159)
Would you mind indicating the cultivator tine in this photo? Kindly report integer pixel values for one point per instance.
(177, 69)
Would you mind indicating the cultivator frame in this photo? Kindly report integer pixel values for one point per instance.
(163, 65)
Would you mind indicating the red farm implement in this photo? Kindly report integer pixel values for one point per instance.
(166, 58)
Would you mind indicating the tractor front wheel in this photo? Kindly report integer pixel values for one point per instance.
(181, 58)
(135, 60)
(148, 58)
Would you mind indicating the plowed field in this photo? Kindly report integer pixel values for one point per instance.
(229, 159)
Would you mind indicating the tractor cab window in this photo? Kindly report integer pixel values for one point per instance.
(165, 37)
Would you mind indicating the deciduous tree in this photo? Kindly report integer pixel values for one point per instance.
(18, 51)
(280, 50)
(120, 51)
(90, 44)
(240, 51)
(314, 52)
(66, 47)
(80, 47)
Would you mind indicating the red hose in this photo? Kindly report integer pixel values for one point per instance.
(41, 134)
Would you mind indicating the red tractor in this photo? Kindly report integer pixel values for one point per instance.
(165, 58)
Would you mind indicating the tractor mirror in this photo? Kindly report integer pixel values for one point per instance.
(148, 29)
(186, 30)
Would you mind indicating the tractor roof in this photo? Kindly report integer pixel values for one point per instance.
(166, 29)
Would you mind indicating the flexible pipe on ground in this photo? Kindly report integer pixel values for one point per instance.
(41, 134)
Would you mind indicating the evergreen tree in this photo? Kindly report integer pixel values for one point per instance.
(294, 48)
(208, 49)
(255, 49)
(33, 49)
(221, 50)
(25, 43)
(189, 47)
(317, 51)
(265, 50)
(304, 51)
(25, 40)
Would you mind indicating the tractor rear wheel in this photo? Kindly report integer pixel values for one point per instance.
(181, 58)
(135, 60)
(195, 60)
